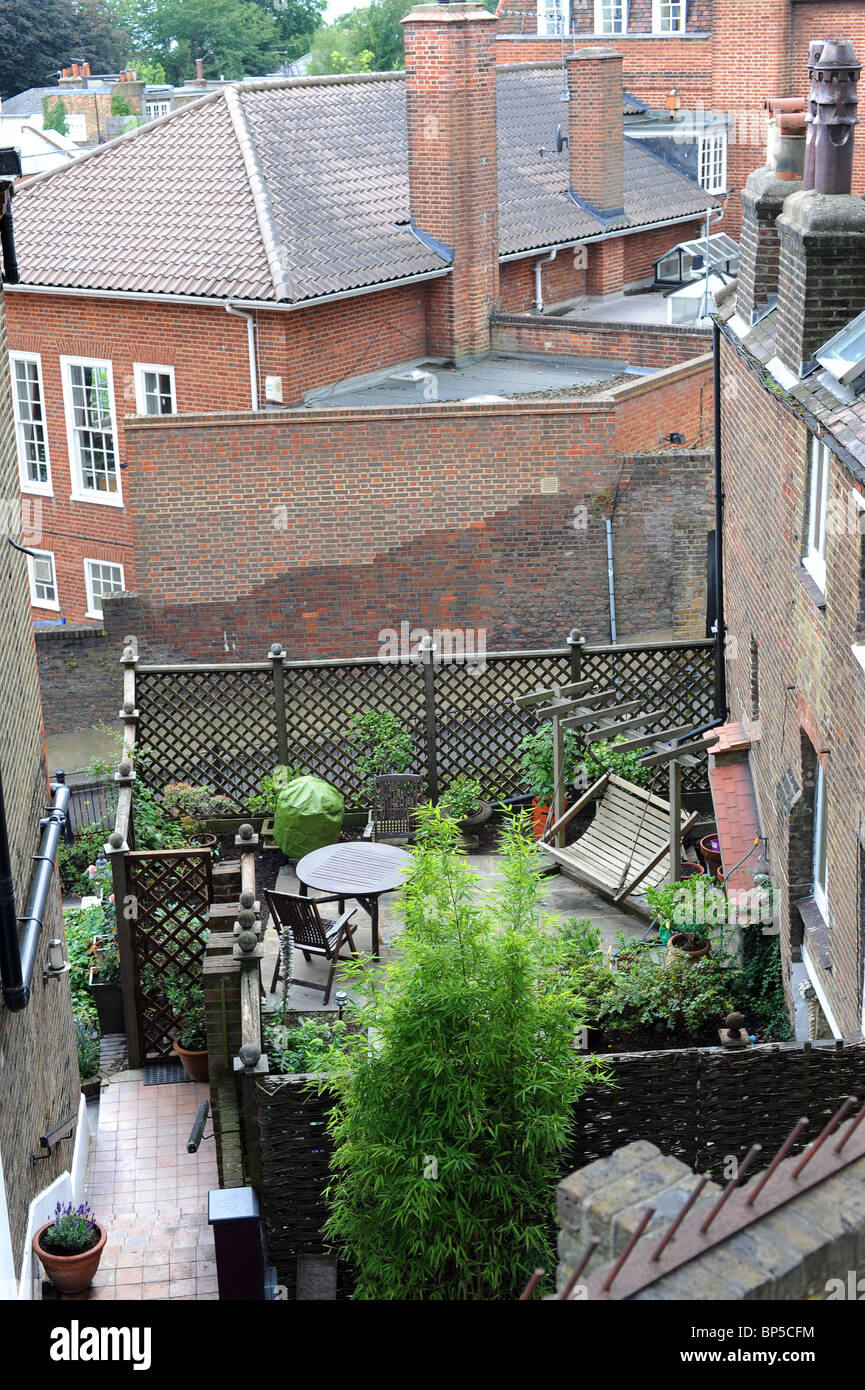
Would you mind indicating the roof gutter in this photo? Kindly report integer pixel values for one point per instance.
(592, 239)
(276, 306)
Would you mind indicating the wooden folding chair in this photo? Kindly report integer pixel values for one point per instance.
(394, 799)
(311, 934)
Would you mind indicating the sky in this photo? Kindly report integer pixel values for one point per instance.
(337, 7)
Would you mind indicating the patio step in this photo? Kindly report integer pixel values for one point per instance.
(226, 881)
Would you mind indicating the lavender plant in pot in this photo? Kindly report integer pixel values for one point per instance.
(70, 1247)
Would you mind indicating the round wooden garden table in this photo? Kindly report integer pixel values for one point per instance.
(356, 870)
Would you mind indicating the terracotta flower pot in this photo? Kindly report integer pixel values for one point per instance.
(676, 947)
(539, 817)
(194, 1062)
(710, 848)
(70, 1273)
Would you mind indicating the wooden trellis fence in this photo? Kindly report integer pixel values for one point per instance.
(228, 725)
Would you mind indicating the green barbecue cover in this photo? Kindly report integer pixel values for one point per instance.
(308, 815)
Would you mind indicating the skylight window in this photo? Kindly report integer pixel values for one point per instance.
(844, 355)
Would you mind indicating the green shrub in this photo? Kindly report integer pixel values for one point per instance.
(682, 995)
(461, 799)
(263, 802)
(304, 1047)
(451, 1128)
(85, 1021)
(603, 757)
(74, 860)
(763, 985)
(383, 743)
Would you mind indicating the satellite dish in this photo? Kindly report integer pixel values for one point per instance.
(561, 140)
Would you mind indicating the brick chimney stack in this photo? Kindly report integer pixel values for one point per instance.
(451, 108)
(821, 273)
(596, 142)
(199, 73)
(762, 201)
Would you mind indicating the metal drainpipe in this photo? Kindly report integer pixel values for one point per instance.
(611, 581)
(545, 260)
(18, 961)
(720, 626)
(253, 354)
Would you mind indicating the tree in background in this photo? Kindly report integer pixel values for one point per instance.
(54, 116)
(451, 1128)
(151, 73)
(296, 23)
(235, 38)
(38, 38)
(373, 29)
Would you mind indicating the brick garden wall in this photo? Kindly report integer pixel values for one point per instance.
(430, 514)
(38, 1063)
(644, 345)
(810, 681)
(79, 677)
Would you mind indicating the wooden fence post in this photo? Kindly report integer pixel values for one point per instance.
(427, 652)
(277, 657)
(117, 850)
(576, 642)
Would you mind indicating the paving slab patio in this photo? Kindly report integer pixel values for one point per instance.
(151, 1194)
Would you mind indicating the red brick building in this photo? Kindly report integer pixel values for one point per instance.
(718, 55)
(792, 452)
(272, 241)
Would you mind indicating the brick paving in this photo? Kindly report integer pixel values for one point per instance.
(151, 1194)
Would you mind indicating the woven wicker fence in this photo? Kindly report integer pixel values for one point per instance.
(227, 726)
(700, 1105)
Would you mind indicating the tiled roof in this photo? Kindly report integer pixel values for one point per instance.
(296, 189)
(844, 420)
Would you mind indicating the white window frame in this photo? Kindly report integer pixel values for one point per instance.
(27, 484)
(51, 607)
(79, 492)
(814, 558)
(153, 115)
(94, 611)
(601, 21)
(554, 17)
(77, 121)
(657, 16)
(138, 371)
(707, 149)
(819, 851)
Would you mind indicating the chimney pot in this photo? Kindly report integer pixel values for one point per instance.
(199, 71)
(834, 101)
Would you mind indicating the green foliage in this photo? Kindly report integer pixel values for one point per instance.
(462, 798)
(302, 1048)
(151, 73)
(91, 942)
(296, 22)
(763, 985)
(74, 860)
(73, 1231)
(450, 1127)
(263, 802)
(692, 905)
(383, 744)
(85, 1022)
(236, 38)
(54, 116)
(603, 757)
(536, 761)
(682, 995)
(186, 998)
(366, 39)
(38, 37)
(119, 105)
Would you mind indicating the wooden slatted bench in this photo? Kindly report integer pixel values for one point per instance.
(627, 843)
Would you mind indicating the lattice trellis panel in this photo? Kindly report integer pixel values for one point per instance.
(172, 892)
(320, 702)
(214, 727)
(678, 679)
(478, 726)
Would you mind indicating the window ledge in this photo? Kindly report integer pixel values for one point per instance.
(816, 931)
(812, 589)
(102, 499)
(37, 489)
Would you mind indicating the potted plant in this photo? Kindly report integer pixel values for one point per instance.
(687, 910)
(186, 998)
(70, 1247)
(536, 767)
(192, 806)
(462, 803)
(103, 982)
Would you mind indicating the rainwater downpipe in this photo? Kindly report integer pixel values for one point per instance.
(719, 625)
(18, 960)
(545, 260)
(611, 579)
(253, 354)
